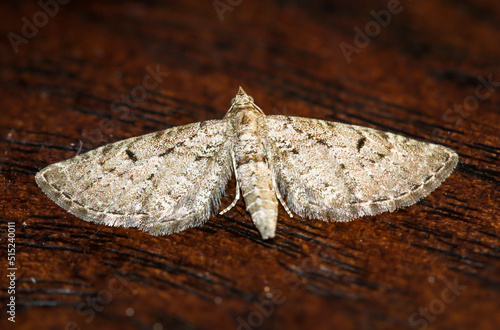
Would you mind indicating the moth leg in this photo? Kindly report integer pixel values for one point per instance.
(237, 197)
(278, 194)
(282, 201)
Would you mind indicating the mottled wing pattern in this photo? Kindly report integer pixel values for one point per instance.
(161, 182)
(335, 171)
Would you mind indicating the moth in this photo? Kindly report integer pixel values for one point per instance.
(167, 181)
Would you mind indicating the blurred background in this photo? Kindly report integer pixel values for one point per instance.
(75, 75)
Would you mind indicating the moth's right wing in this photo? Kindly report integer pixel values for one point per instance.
(335, 171)
(161, 182)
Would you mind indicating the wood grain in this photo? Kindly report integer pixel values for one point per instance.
(76, 84)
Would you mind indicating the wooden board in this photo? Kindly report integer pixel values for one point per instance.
(78, 82)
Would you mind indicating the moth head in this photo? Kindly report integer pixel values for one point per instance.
(241, 98)
(242, 101)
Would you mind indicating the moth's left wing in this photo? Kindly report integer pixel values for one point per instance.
(161, 182)
(335, 171)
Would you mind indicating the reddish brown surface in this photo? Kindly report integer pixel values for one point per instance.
(57, 93)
